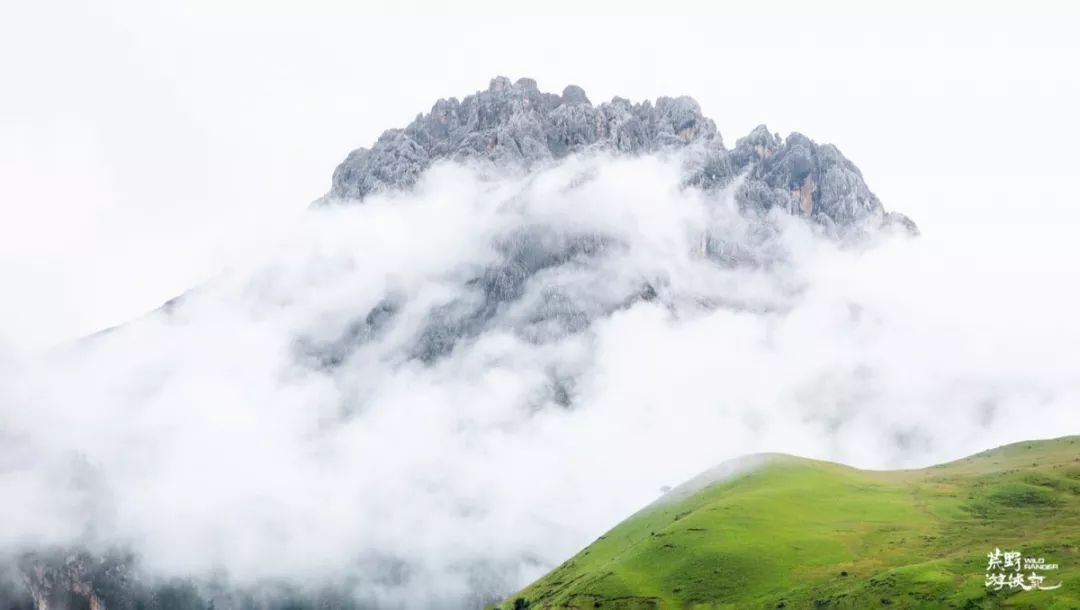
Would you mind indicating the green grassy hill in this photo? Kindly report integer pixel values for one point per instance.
(798, 533)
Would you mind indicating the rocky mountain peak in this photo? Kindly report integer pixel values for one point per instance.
(515, 124)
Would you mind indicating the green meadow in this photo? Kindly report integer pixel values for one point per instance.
(790, 532)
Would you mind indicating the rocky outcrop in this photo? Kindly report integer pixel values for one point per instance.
(67, 581)
(803, 178)
(517, 125)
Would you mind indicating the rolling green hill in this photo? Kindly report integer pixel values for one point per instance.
(787, 532)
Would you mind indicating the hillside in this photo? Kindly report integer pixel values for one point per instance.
(799, 533)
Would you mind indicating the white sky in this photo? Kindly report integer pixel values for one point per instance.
(142, 146)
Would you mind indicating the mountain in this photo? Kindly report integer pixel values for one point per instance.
(515, 129)
(445, 303)
(777, 531)
(517, 125)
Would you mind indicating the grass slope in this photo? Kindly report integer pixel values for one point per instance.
(799, 533)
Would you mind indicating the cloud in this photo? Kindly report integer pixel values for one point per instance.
(438, 395)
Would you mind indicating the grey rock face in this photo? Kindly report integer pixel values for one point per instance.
(515, 124)
(525, 255)
(803, 178)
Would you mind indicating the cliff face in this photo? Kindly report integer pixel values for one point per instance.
(515, 125)
(69, 581)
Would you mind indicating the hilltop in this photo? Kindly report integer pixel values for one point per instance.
(791, 532)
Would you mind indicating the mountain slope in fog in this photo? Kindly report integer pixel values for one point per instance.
(518, 130)
(785, 532)
(488, 294)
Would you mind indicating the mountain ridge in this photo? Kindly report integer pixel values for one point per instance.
(518, 125)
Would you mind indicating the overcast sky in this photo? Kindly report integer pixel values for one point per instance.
(143, 146)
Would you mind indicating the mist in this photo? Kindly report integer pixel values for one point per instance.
(333, 408)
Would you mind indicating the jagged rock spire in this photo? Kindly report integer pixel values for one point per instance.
(516, 124)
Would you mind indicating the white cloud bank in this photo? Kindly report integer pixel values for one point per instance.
(210, 440)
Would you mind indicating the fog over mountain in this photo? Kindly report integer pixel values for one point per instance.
(505, 327)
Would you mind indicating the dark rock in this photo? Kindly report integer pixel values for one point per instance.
(803, 178)
(573, 94)
(77, 580)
